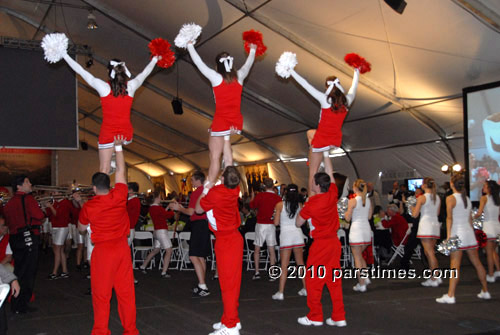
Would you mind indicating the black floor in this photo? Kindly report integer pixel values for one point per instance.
(165, 306)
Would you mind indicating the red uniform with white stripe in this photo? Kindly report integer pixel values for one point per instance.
(329, 132)
(133, 210)
(62, 218)
(111, 263)
(221, 206)
(115, 119)
(227, 108)
(324, 251)
(265, 202)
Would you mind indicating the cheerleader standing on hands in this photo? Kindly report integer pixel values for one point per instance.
(459, 223)
(116, 95)
(334, 107)
(227, 86)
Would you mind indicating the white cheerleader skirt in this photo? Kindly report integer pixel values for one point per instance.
(162, 241)
(428, 227)
(360, 233)
(59, 235)
(466, 235)
(291, 238)
(491, 229)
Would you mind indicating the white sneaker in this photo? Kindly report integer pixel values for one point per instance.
(367, 281)
(330, 322)
(218, 325)
(446, 299)
(359, 288)
(440, 281)
(497, 274)
(490, 279)
(430, 283)
(302, 292)
(306, 322)
(226, 331)
(484, 295)
(278, 296)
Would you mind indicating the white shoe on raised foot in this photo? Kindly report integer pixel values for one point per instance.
(226, 331)
(341, 323)
(484, 295)
(359, 288)
(490, 279)
(430, 283)
(278, 296)
(218, 325)
(446, 299)
(302, 292)
(306, 322)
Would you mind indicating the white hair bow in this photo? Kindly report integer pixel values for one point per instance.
(336, 83)
(228, 63)
(114, 64)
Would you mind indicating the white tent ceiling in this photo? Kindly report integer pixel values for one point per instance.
(408, 110)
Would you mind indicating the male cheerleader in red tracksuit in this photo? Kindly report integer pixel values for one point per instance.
(221, 206)
(324, 253)
(111, 262)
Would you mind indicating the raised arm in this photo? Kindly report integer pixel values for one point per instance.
(212, 75)
(329, 168)
(318, 95)
(135, 83)
(97, 84)
(354, 86)
(245, 69)
(120, 176)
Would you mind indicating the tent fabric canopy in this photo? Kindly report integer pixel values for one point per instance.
(407, 116)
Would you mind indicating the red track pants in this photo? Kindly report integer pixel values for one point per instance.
(111, 267)
(229, 255)
(324, 252)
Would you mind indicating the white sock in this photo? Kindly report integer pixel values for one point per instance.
(203, 286)
(227, 137)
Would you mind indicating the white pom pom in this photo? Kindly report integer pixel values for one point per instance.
(55, 47)
(188, 33)
(285, 64)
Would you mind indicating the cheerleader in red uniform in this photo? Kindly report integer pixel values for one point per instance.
(334, 107)
(117, 96)
(227, 84)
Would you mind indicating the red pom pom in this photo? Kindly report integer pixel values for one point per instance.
(357, 61)
(254, 37)
(161, 47)
(480, 237)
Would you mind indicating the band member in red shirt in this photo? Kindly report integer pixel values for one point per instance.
(133, 209)
(59, 216)
(159, 216)
(21, 213)
(221, 206)
(324, 253)
(78, 239)
(265, 230)
(111, 264)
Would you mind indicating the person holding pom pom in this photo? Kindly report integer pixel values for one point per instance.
(116, 96)
(334, 107)
(227, 84)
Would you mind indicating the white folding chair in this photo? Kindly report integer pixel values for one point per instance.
(346, 256)
(147, 239)
(400, 249)
(184, 238)
(250, 236)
